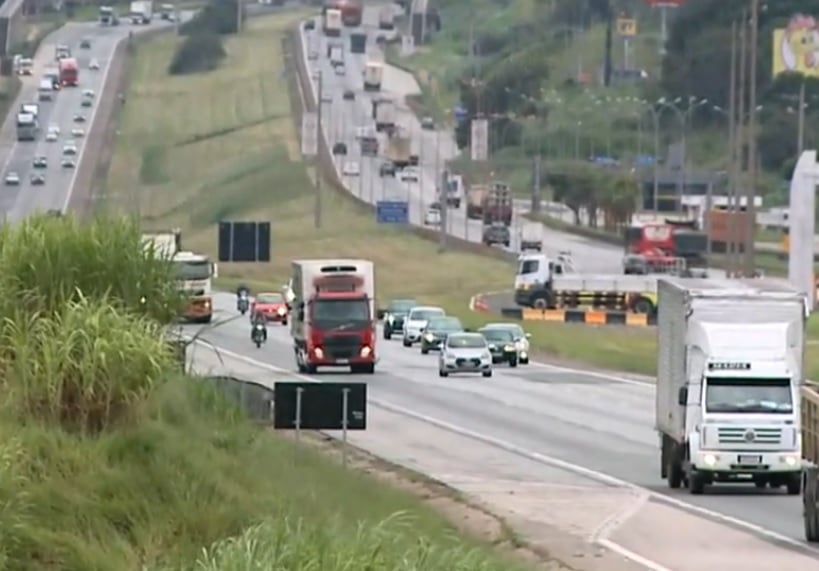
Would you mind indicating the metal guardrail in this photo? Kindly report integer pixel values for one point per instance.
(254, 399)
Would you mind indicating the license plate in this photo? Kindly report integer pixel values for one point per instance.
(342, 361)
(749, 460)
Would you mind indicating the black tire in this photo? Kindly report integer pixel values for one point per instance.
(642, 305)
(524, 361)
(310, 369)
(407, 343)
(486, 374)
(424, 350)
(442, 373)
(387, 334)
(696, 484)
(794, 485)
(760, 483)
(674, 474)
(513, 363)
(284, 322)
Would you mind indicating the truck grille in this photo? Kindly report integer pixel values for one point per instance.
(341, 346)
(747, 436)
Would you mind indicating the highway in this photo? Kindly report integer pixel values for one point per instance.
(18, 202)
(599, 424)
(588, 419)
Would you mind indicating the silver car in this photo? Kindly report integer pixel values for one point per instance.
(520, 336)
(465, 353)
(416, 320)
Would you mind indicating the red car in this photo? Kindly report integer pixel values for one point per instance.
(271, 305)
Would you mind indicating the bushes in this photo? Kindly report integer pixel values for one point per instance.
(202, 51)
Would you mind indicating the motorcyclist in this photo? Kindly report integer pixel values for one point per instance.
(258, 326)
(242, 295)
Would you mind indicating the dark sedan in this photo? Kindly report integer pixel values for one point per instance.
(501, 346)
(436, 332)
(394, 316)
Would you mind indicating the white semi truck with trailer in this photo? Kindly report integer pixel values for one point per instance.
(332, 23)
(729, 374)
(333, 316)
(141, 12)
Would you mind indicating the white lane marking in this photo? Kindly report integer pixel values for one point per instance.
(636, 558)
(70, 191)
(552, 461)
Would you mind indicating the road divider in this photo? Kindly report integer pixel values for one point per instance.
(590, 317)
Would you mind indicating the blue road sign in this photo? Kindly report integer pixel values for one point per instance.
(460, 112)
(392, 212)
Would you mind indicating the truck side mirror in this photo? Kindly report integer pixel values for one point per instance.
(682, 396)
(528, 335)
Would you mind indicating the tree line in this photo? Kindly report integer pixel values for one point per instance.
(202, 48)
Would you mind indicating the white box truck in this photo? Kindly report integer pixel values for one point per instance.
(386, 18)
(332, 23)
(531, 237)
(384, 115)
(729, 374)
(333, 316)
(141, 12)
(373, 74)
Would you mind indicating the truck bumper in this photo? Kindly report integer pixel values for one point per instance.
(724, 464)
(315, 361)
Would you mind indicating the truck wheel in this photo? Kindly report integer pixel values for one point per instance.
(794, 485)
(540, 302)
(642, 305)
(675, 474)
(513, 362)
(387, 333)
(424, 350)
(760, 483)
(696, 484)
(310, 369)
(407, 343)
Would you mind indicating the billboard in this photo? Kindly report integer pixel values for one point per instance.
(796, 47)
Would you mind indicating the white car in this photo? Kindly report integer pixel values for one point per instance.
(78, 132)
(12, 179)
(51, 136)
(68, 163)
(88, 93)
(326, 97)
(416, 320)
(351, 168)
(54, 129)
(408, 174)
(464, 353)
(432, 217)
(341, 70)
(69, 150)
(364, 132)
(94, 64)
(521, 339)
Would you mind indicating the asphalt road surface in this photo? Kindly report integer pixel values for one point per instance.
(593, 420)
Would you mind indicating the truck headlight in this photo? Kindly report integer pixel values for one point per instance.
(429, 337)
(709, 460)
(390, 319)
(366, 351)
(319, 353)
(790, 460)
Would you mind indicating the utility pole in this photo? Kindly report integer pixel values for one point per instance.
(752, 154)
(800, 136)
(740, 125)
(609, 33)
(317, 206)
(238, 16)
(731, 246)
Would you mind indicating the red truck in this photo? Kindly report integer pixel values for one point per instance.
(352, 11)
(69, 72)
(332, 315)
(497, 204)
(668, 246)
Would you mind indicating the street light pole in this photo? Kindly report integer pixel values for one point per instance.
(752, 158)
(731, 245)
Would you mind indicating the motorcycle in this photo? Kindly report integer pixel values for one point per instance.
(242, 303)
(259, 334)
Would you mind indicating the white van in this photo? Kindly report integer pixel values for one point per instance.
(45, 91)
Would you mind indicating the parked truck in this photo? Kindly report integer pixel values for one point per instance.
(386, 18)
(497, 204)
(384, 115)
(454, 191)
(333, 314)
(399, 149)
(373, 72)
(475, 199)
(193, 272)
(531, 237)
(810, 466)
(729, 375)
(331, 22)
(141, 12)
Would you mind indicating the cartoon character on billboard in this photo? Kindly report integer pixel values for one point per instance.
(799, 48)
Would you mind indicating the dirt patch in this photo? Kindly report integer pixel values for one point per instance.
(468, 518)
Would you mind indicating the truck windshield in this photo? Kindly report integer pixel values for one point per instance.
(528, 267)
(199, 270)
(748, 395)
(340, 313)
